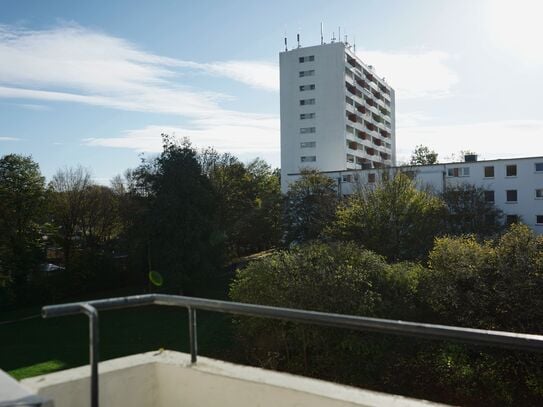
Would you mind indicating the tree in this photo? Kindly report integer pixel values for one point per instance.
(249, 197)
(22, 204)
(493, 284)
(180, 216)
(69, 198)
(422, 155)
(469, 212)
(340, 278)
(394, 219)
(310, 206)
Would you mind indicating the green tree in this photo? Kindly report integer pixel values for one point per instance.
(22, 205)
(394, 219)
(422, 155)
(341, 278)
(487, 285)
(311, 202)
(180, 218)
(469, 212)
(249, 201)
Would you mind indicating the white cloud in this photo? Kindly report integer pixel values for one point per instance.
(258, 74)
(32, 106)
(9, 139)
(414, 74)
(71, 63)
(77, 65)
(498, 139)
(242, 136)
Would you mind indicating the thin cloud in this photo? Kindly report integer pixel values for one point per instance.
(71, 63)
(245, 136)
(32, 106)
(9, 139)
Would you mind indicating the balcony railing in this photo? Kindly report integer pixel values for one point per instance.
(430, 331)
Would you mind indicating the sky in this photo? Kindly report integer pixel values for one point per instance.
(95, 83)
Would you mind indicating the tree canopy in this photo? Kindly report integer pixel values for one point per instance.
(422, 155)
(310, 206)
(394, 219)
(22, 206)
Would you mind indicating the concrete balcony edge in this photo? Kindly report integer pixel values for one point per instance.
(213, 374)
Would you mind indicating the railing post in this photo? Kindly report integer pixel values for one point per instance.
(193, 335)
(94, 355)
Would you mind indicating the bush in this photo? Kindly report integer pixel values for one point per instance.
(340, 278)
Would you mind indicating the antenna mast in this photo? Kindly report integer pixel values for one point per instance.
(286, 49)
(322, 39)
(298, 39)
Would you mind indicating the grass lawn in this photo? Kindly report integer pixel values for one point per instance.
(37, 346)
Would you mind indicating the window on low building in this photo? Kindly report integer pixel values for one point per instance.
(539, 219)
(348, 178)
(304, 116)
(511, 195)
(511, 170)
(539, 193)
(489, 172)
(489, 196)
(539, 167)
(458, 172)
(308, 158)
(510, 219)
(304, 102)
(308, 144)
(371, 178)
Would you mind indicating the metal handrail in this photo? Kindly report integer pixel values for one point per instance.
(431, 331)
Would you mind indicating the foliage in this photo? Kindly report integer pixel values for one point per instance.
(249, 202)
(422, 155)
(489, 285)
(22, 205)
(70, 187)
(394, 219)
(342, 278)
(468, 211)
(310, 206)
(180, 217)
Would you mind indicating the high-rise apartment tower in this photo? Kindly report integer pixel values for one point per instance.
(336, 113)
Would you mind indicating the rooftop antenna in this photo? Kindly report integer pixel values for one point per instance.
(286, 49)
(322, 39)
(339, 33)
(333, 39)
(346, 42)
(354, 44)
(298, 39)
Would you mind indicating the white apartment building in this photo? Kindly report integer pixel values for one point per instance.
(336, 113)
(514, 185)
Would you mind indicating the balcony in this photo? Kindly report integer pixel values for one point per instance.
(166, 378)
(351, 117)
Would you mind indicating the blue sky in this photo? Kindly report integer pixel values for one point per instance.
(96, 83)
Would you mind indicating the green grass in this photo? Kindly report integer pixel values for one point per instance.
(34, 346)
